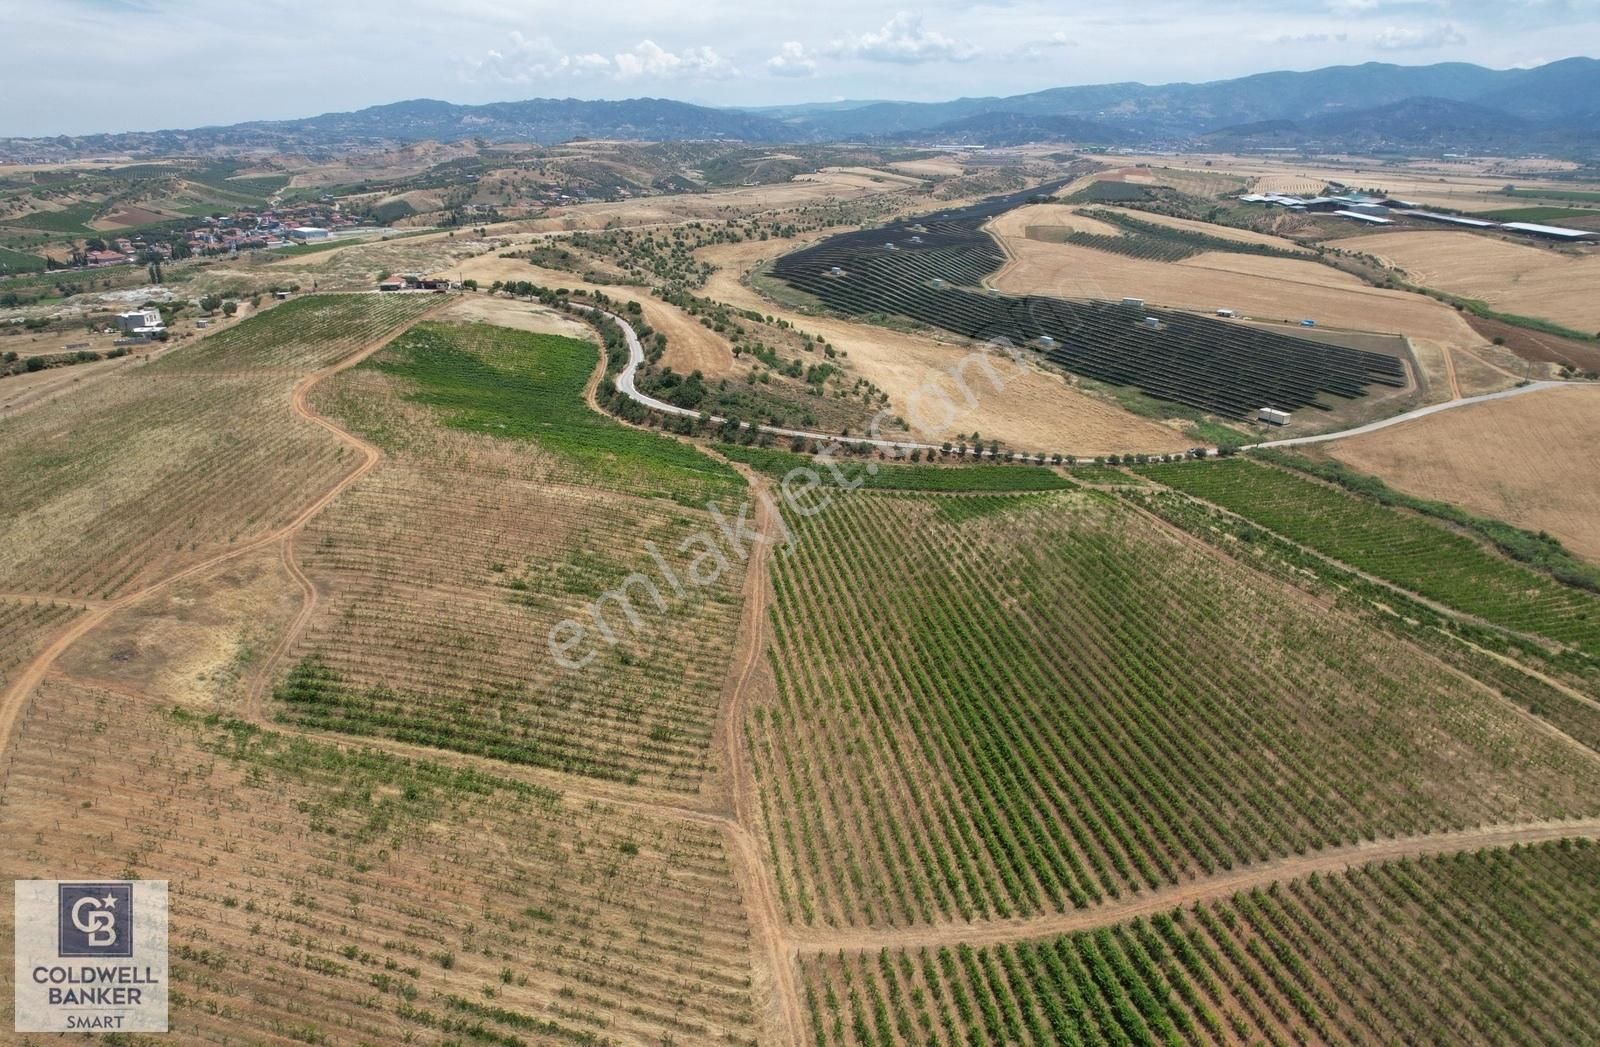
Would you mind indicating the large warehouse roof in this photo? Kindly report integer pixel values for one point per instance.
(1358, 216)
(1476, 223)
(1549, 230)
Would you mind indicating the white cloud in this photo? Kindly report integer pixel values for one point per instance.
(792, 59)
(648, 59)
(904, 39)
(1294, 39)
(526, 59)
(522, 61)
(1411, 38)
(1039, 50)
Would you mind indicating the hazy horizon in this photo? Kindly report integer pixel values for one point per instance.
(105, 66)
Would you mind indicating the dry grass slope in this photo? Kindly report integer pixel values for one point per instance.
(442, 574)
(327, 896)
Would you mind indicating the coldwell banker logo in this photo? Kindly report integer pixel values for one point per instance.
(96, 919)
(91, 956)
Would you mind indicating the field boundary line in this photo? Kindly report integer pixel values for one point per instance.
(1333, 860)
(55, 599)
(1516, 708)
(12, 699)
(767, 923)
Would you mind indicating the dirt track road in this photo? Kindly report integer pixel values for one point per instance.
(14, 696)
(1222, 885)
(775, 944)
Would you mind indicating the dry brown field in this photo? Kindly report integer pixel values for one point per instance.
(1525, 279)
(1528, 460)
(327, 894)
(1268, 288)
(1469, 187)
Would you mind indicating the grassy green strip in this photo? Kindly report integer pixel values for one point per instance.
(1542, 550)
(1413, 552)
(523, 386)
(971, 477)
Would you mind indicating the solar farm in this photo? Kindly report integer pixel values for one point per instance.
(932, 269)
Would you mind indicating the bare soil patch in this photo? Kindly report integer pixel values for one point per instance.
(522, 316)
(194, 642)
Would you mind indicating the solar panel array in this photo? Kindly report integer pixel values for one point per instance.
(929, 269)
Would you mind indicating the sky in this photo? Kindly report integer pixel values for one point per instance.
(85, 66)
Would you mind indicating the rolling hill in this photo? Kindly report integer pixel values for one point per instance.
(1419, 107)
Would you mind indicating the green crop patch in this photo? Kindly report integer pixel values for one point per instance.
(995, 706)
(874, 475)
(306, 332)
(1573, 195)
(1403, 548)
(1297, 960)
(19, 262)
(1543, 214)
(73, 220)
(522, 386)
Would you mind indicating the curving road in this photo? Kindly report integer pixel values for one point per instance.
(625, 382)
(636, 358)
(1421, 412)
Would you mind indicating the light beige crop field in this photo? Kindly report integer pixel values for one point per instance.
(1269, 288)
(1562, 285)
(1529, 460)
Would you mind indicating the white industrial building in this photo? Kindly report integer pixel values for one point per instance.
(1553, 232)
(142, 321)
(1454, 219)
(1370, 219)
(309, 232)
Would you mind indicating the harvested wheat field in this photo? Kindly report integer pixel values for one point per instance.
(1522, 278)
(1269, 288)
(1034, 410)
(1528, 460)
(1017, 221)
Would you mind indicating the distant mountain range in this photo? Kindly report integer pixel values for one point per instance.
(1549, 106)
(1451, 106)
